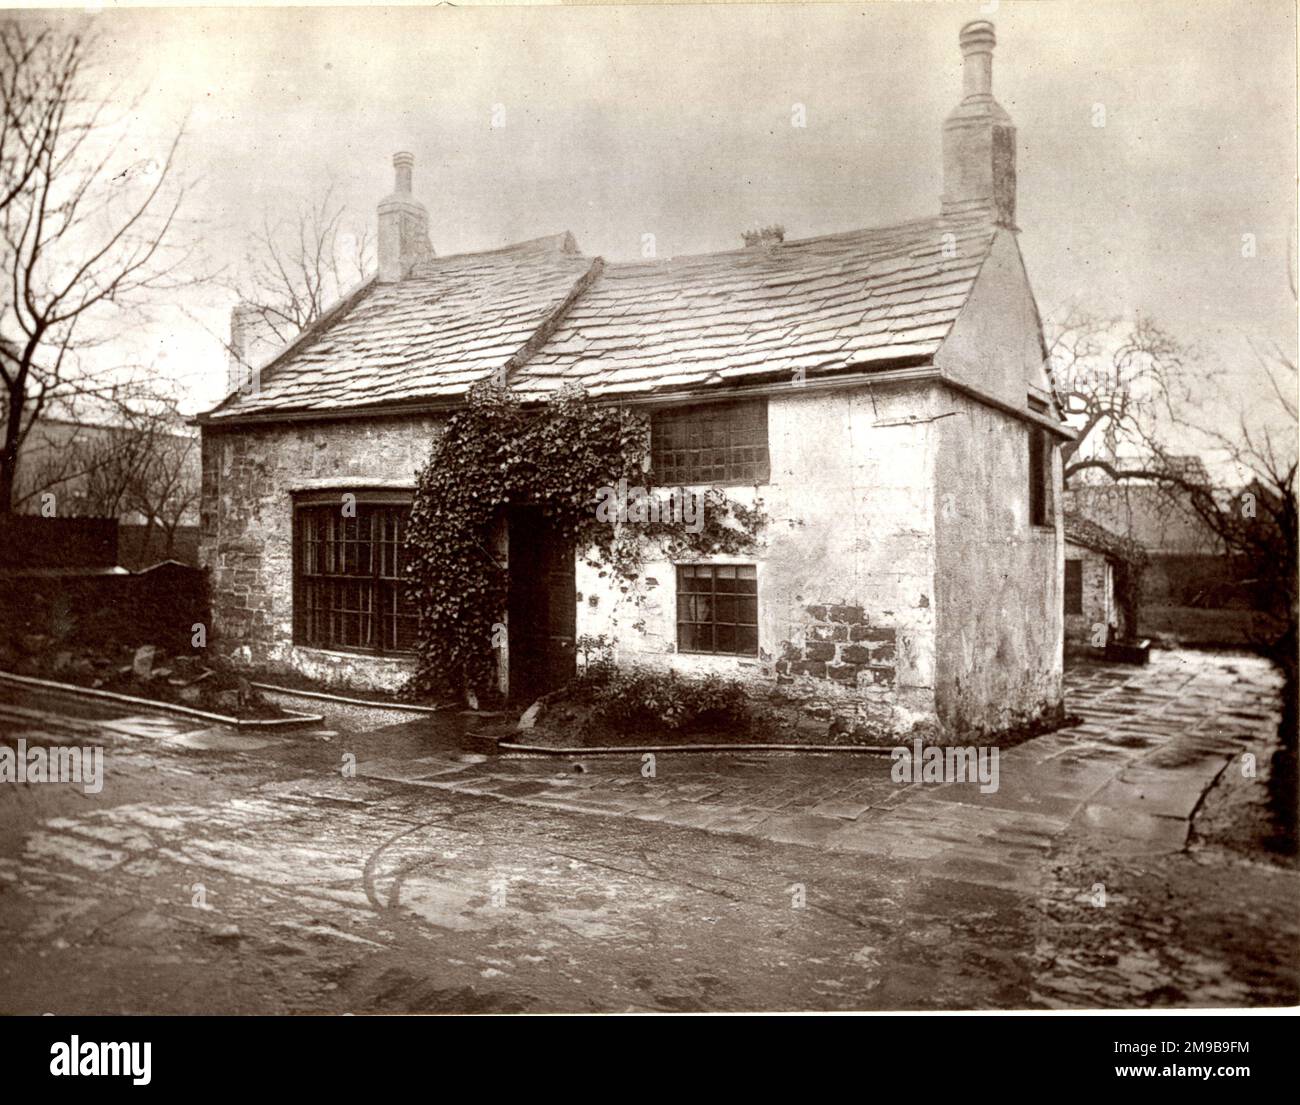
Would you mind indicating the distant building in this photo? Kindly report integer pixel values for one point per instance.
(77, 464)
(1187, 558)
(1098, 564)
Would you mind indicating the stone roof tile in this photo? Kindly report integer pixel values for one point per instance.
(548, 316)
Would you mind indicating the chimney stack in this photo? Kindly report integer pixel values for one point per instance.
(250, 342)
(979, 139)
(403, 226)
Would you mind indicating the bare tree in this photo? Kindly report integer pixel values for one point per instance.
(297, 267)
(111, 462)
(57, 456)
(85, 230)
(166, 483)
(1138, 398)
(1120, 381)
(1134, 391)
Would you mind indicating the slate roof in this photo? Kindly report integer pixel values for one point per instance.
(454, 321)
(550, 316)
(821, 304)
(1088, 534)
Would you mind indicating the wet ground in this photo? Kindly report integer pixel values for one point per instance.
(383, 864)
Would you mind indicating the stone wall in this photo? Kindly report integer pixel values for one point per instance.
(999, 579)
(105, 609)
(246, 539)
(845, 573)
(900, 590)
(1098, 599)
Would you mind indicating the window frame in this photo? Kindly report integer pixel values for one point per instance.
(747, 412)
(736, 595)
(1077, 590)
(1040, 479)
(379, 501)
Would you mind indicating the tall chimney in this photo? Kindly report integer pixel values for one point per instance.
(403, 226)
(979, 139)
(250, 342)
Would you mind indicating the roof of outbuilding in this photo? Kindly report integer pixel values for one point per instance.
(1089, 535)
(549, 316)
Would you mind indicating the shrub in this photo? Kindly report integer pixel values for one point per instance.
(645, 699)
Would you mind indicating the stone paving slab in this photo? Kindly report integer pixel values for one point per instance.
(743, 820)
(1152, 740)
(805, 828)
(846, 810)
(1167, 793)
(1133, 832)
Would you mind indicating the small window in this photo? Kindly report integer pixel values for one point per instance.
(713, 443)
(1038, 476)
(349, 591)
(1074, 586)
(717, 608)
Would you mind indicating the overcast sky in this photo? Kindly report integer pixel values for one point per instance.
(677, 122)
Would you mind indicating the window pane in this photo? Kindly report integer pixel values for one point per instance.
(1074, 587)
(340, 599)
(1037, 477)
(716, 442)
(724, 621)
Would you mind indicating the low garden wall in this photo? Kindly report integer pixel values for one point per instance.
(104, 606)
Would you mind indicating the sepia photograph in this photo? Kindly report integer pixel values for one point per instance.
(659, 508)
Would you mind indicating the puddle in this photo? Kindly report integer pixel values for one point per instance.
(220, 740)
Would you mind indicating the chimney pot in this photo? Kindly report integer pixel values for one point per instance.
(977, 40)
(979, 139)
(403, 225)
(403, 164)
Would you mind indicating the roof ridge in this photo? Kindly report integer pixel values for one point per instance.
(971, 217)
(562, 242)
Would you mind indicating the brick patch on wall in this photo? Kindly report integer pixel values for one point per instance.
(837, 676)
(840, 643)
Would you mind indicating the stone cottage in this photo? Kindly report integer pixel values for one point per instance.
(882, 391)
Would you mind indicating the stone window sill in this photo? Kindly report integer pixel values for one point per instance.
(397, 659)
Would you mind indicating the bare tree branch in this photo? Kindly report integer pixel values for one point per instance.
(298, 266)
(83, 237)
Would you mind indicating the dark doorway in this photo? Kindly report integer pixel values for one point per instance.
(542, 615)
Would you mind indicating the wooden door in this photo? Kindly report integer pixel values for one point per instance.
(542, 614)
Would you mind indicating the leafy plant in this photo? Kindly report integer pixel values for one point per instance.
(496, 453)
(644, 699)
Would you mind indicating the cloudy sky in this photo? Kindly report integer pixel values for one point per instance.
(677, 121)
